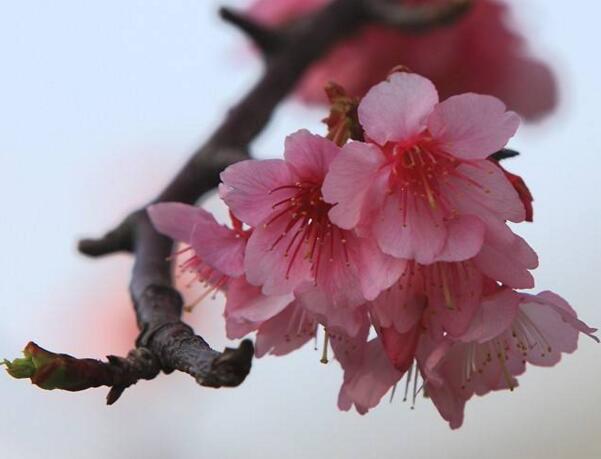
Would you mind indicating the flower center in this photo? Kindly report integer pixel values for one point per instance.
(308, 229)
(419, 167)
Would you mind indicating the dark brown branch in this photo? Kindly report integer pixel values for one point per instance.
(289, 52)
(264, 38)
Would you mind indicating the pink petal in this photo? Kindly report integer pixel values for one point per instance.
(481, 188)
(472, 126)
(270, 264)
(397, 307)
(377, 271)
(248, 188)
(344, 318)
(348, 181)
(448, 403)
(219, 246)
(310, 155)
(419, 235)
(397, 109)
(365, 386)
(508, 263)
(464, 240)
(495, 315)
(245, 302)
(400, 347)
(177, 220)
(567, 313)
(284, 333)
(454, 291)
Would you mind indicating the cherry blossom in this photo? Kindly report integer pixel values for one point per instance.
(424, 173)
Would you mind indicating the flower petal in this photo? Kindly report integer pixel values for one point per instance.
(464, 240)
(272, 259)
(508, 263)
(495, 315)
(284, 333)
(397, 109)
(310, 155)
(219, 247)
(472, 126)
(417, 232)
(248, 188)
(348, 182)
(178, 220)
(481, 188)
(246, 302)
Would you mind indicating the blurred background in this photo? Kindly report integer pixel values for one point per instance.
(100, 104)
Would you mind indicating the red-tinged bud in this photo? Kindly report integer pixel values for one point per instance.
(48, 370)
(343, 121)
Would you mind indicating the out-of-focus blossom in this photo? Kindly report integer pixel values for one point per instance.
(424, 176)
(480, 53)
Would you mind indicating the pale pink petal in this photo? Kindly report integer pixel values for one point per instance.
(400, 347)
(397, 109)
(508, 263)
(245, 302)
(219, 246)
(415, 233)
(400, 307)
(464, 240)
(284, 333)
(237, 328)
(453, 291)
(349, 350)
(566, 311)
(448, 403)
(345, 319)
(481, 188)
(495, 315)
(347, 183)
(551, 326)
(248, 188)
(472, 126)
(310, 155)
(269, 262)
(377, 271)
(366, 385)
(178, 220)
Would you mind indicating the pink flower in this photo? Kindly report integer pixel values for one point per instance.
(217, 251)
(479, 53)
(423, 175)
(510, 330)
(294, 246)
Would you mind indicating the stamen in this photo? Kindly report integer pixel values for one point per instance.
(324, 355)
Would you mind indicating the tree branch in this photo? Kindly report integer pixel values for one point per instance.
(169, 344)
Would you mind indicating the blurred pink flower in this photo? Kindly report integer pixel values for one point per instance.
(479, 53)
(294, 247)
(424, 176)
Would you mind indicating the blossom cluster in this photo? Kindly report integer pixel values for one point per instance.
(396, 244)
(481, 52)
